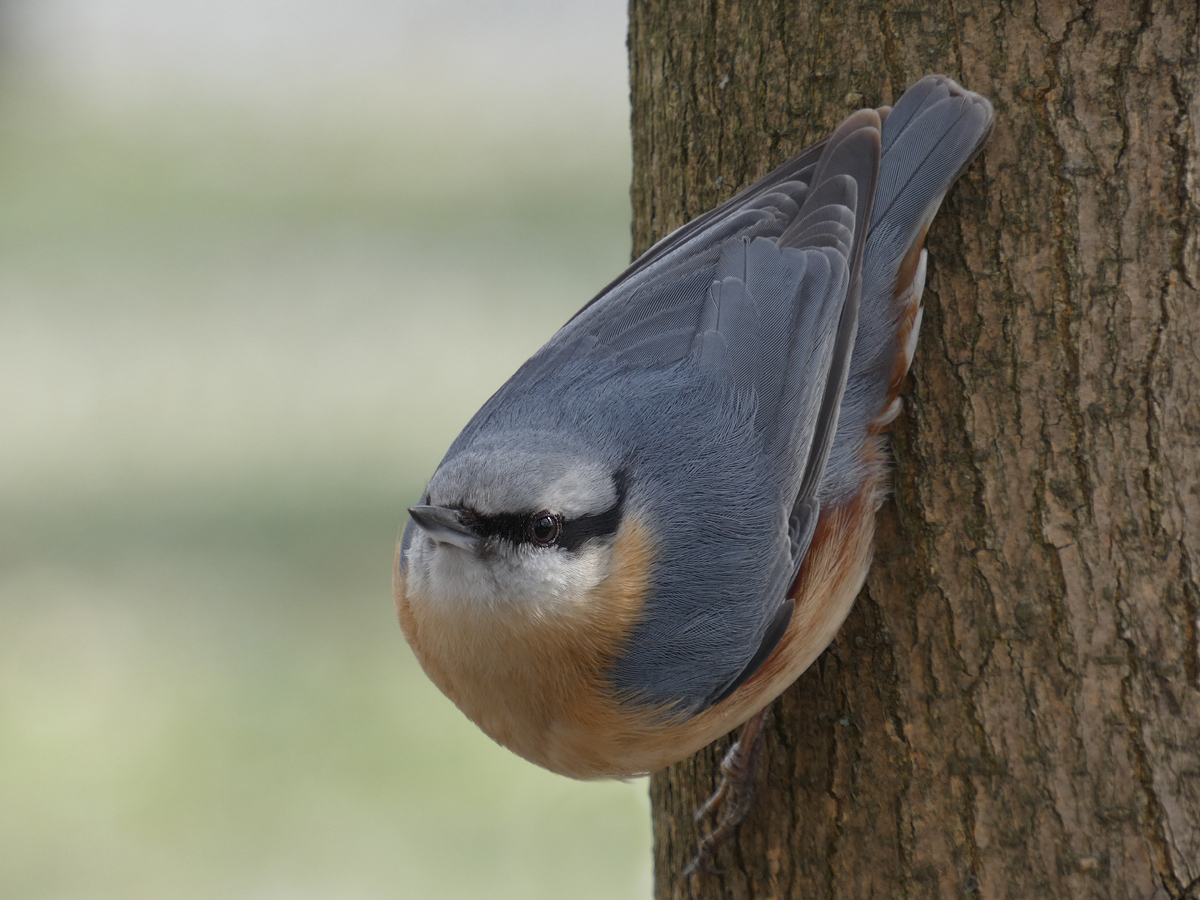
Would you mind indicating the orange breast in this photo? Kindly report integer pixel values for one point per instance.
(536, 683)
(538, 686)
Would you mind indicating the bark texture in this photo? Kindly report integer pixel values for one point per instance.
(1013, 708)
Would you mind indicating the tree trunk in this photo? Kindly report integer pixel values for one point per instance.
(1013, 708)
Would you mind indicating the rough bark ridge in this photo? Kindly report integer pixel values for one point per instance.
(1013, 708)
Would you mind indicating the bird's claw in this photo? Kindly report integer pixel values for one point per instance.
(733, 796)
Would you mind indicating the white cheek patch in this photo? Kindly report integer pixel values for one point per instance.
(446, 574)
(553, 581)
(538, 582)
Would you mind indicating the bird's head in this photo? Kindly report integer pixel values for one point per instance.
(501, 525)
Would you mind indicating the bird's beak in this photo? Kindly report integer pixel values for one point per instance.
(445, 526)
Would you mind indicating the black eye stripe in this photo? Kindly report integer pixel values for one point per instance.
(509, 526)
(574, 533)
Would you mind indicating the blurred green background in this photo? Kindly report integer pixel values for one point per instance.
(259, 262)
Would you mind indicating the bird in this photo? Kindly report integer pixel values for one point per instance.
(661, 520)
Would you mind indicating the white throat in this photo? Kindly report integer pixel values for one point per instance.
(544, 582)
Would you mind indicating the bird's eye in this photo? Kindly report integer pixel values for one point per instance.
(545, 527)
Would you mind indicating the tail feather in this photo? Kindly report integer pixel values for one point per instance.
(929, 138)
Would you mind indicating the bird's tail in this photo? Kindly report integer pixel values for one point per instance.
(929, 138)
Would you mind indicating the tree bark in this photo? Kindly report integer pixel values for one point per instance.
(1013, 708)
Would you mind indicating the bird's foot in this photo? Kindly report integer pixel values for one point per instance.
(733, 796)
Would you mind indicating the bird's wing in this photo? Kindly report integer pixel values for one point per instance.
(773, 309)
(785, 179)
(761, 289)
(929, 138)
(810, 278)
(651, 313)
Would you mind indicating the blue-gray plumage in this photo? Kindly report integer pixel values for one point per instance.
(723, 394)
(929, 138)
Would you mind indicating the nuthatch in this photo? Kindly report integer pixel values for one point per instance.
(664, 516)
